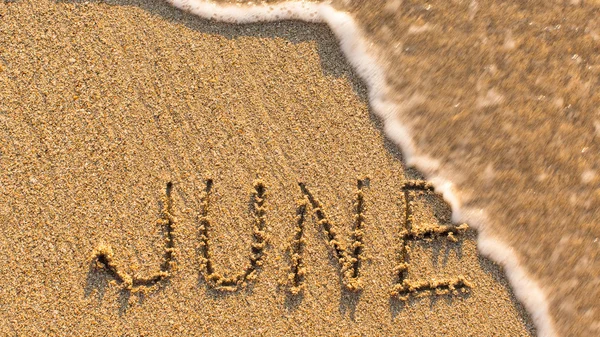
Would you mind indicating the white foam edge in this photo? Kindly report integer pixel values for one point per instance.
(359, 55)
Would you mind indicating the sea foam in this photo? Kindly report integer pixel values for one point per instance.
(362, 57)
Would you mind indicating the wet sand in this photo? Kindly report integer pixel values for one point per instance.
(104, 104)
(508, 105)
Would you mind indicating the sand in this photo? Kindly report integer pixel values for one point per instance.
(104, 104)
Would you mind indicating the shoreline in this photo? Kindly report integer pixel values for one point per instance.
(354, 48)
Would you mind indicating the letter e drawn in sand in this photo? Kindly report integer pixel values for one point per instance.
(403, 287)
(103, 255)
(239, 280)
(348, 257)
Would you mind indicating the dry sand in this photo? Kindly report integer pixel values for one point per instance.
(104, 104)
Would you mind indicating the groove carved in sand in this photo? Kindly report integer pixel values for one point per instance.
(240, 279)
(348, 257)
(404, 287)
(297, 271)
(103, 255)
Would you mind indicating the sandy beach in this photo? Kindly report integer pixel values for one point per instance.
(104, 104)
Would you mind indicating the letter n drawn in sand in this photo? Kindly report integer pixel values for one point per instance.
(239, 280)
(103, 255)
(404, 287)
(348, 257)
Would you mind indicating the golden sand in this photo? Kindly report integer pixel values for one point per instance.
(103, 105)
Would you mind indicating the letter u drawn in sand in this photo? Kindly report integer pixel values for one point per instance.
(207, 267)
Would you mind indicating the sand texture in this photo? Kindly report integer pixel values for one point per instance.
(150, 165)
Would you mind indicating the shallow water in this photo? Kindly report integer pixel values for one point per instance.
(501, 101)
(509, 108)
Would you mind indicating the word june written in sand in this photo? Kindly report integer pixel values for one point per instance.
(349, 253)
